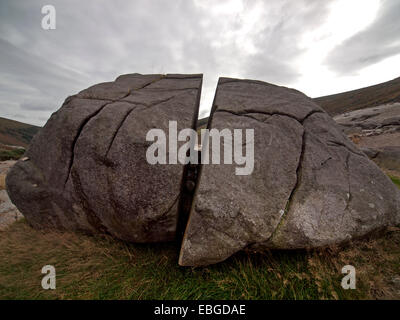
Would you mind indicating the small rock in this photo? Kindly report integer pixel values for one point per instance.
(396, 282)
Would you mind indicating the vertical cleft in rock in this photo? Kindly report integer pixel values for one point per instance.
(189, 179)
(296, 186)
(231, 212)
(85, 121)
(116, 131)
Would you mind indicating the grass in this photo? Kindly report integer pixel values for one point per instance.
(396, 181)
(90, 267)
(100, 267)
(13, 154)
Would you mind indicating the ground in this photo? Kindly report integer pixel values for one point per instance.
(102, 268)
(99, 267)
(376, 131)
(375, 127)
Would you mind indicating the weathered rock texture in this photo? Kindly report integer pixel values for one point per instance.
(310, 186)
(8, 212)
(376, 131)
(87, 168)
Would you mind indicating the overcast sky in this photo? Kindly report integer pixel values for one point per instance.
(318, 47)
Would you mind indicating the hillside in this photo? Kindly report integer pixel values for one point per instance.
(16, 133)
(202, 123)
(383, 93)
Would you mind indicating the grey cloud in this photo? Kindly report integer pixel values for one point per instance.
(37, 105)
(278, 43)
(377, 42)
(97, 40)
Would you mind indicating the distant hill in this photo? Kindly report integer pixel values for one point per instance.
(372, 96)
(202, 123)
(16, 133)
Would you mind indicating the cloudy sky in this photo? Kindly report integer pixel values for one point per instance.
(318, 47)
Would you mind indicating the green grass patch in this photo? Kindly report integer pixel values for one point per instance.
(395, 180)
(104, 268)
(13, 154)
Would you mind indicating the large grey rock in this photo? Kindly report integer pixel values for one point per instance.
(87, 170)
(310, 186)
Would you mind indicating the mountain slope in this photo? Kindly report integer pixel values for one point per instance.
(372, 96)
(16, 133)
